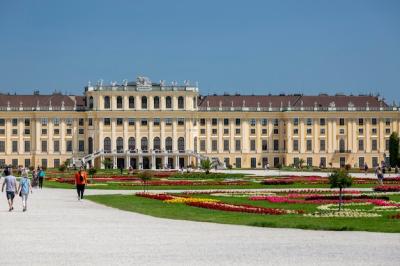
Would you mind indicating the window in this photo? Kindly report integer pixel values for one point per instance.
(81, 145)
(156, 102)
(81, 122)
(56, 163)
(252, 131)
(361, 131)
(226, 145)
(107, 102)
(214, 131)
(295, 121)
(91, 102)
(253, 145)
(131, 101)
(181, 121)
(309, 145)
(214, 145)
(341, 131)
(342, 145)
(27, 131)
(341, 121)
(322, 121)
(14, 146)
(361, 161)
(276, 122)
(168, 121)
(322, 131)
(15, 131)
(264, 145)
(264, 122)
(202, 131)
(120, 145)
(131, 144)
(27, 163)
(360, 144)
(237, 121)
(107, 145)
(322, 162)
(14, 122)
(374, 121)
(156, 121)
(237, 131)
(322, 145)
(107, 121)
(226, 131)
(387, 131)
(276, 145)
(226, 122)
(181, 144)
(168, 102)
(2, 122)
(252, 122)
(194, 102)
(27, 146)
(195, 144)
(44, 131)
(309, 131)
(295, 131)
(214, 121)
(202, 145)
(2, 146)
(276, 131)
(168, 144)
(119, 102)
(90, 122)
(143, 122)
(309, 121)
(181, 102)
(144, 102)
(131, 121)
(14, 163)
(44, 145)
(295, 145)
(202, 122)
(387, 121)
(238, 162)
(44, 122)
(309, 161)
(2, 162)
(27, 122)
(68, 121)
(253, 162)
(120, 121)
(360, 121)
(374, 145)
(69, 131)
(56, 146)
(81, 131)
(56, 121)
(374, 131)
(264, 131)
(44, 163)
(238, 145)
(156, 144)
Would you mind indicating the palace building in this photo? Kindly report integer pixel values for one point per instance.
(148, 125)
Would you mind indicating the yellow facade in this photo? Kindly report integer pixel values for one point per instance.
(148, 125)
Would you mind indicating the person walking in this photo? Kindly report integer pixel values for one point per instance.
(10, 182)
(23, 189)
(80, 182)
(379, 174)
(41, 176)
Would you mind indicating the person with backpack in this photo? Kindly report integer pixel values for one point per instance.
(23, 189)
(41, 174)
(10, 182)
(80, 182)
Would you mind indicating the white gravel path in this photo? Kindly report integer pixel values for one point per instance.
(59, 230)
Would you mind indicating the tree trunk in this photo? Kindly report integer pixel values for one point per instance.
(340, 198)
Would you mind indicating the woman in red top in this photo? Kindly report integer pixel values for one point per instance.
(80, 182)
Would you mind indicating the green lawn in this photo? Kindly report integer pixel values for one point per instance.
(183, 212)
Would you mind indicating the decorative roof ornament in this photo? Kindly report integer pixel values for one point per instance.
(162, 83)
(244, 103)
(50, 103)
(220, 104)
(20, 104)
(125, 82)
(332, 104)
(37, 103)
(367, 104)
(187, 82)
(258, 104)
(8, 104)
(143, 81)
(289, 103)
(350, 104)
(62, 105)
(270, 105)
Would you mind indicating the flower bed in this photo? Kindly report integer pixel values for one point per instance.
(395, 216)
(387, 188)
(155, 196)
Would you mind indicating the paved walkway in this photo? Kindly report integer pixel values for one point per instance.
(59, 230)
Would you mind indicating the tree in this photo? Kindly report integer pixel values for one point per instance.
(107, 163)
(206, 165)
(145, 176)
(340, 179)
(92, 171)
(394, 149)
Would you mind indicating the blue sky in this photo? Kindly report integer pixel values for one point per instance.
(250, 47)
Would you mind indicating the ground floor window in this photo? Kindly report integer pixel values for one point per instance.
(264, 161)
(309, 161)
(238, 162)
(44, 163)
(276, 161)
(296, 161)
(14, 162)
(253, 163)
(27, 163)
(375, 162)
(2, 162)
(361, 161)
(322, 162)
(56, 163)
(226, 161)
(342, 161)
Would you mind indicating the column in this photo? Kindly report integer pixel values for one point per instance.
(289, 132)
(162, 134)
(125, 134)
(302, 135)
(153, 161)
(50, 141)
(21, 147)
(329, 137)
(208, 134)
(100, 137)
(245, 136)
(220, 133)
(174, 134)
(114, 162)
(101, 162)
(62, 140)
(113, 133)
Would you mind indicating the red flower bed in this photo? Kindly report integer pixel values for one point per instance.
(155, 196)
(188, 183)
(387, 188)
(239, 208)
(280, 181)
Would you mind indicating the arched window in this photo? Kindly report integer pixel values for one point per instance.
(156, 143)
(120, 145)
(91, 102)
(342, 147)
(144, 144)
(90, 144)
(119, 102)
(168, 102)
(195, 144)
(156, 102)
(107, 145)
(144, 102)
(131, 143)
(194, 102)
(181, 144)
(107, 102)
(131, 102)
(181, 102)
(168, 144)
